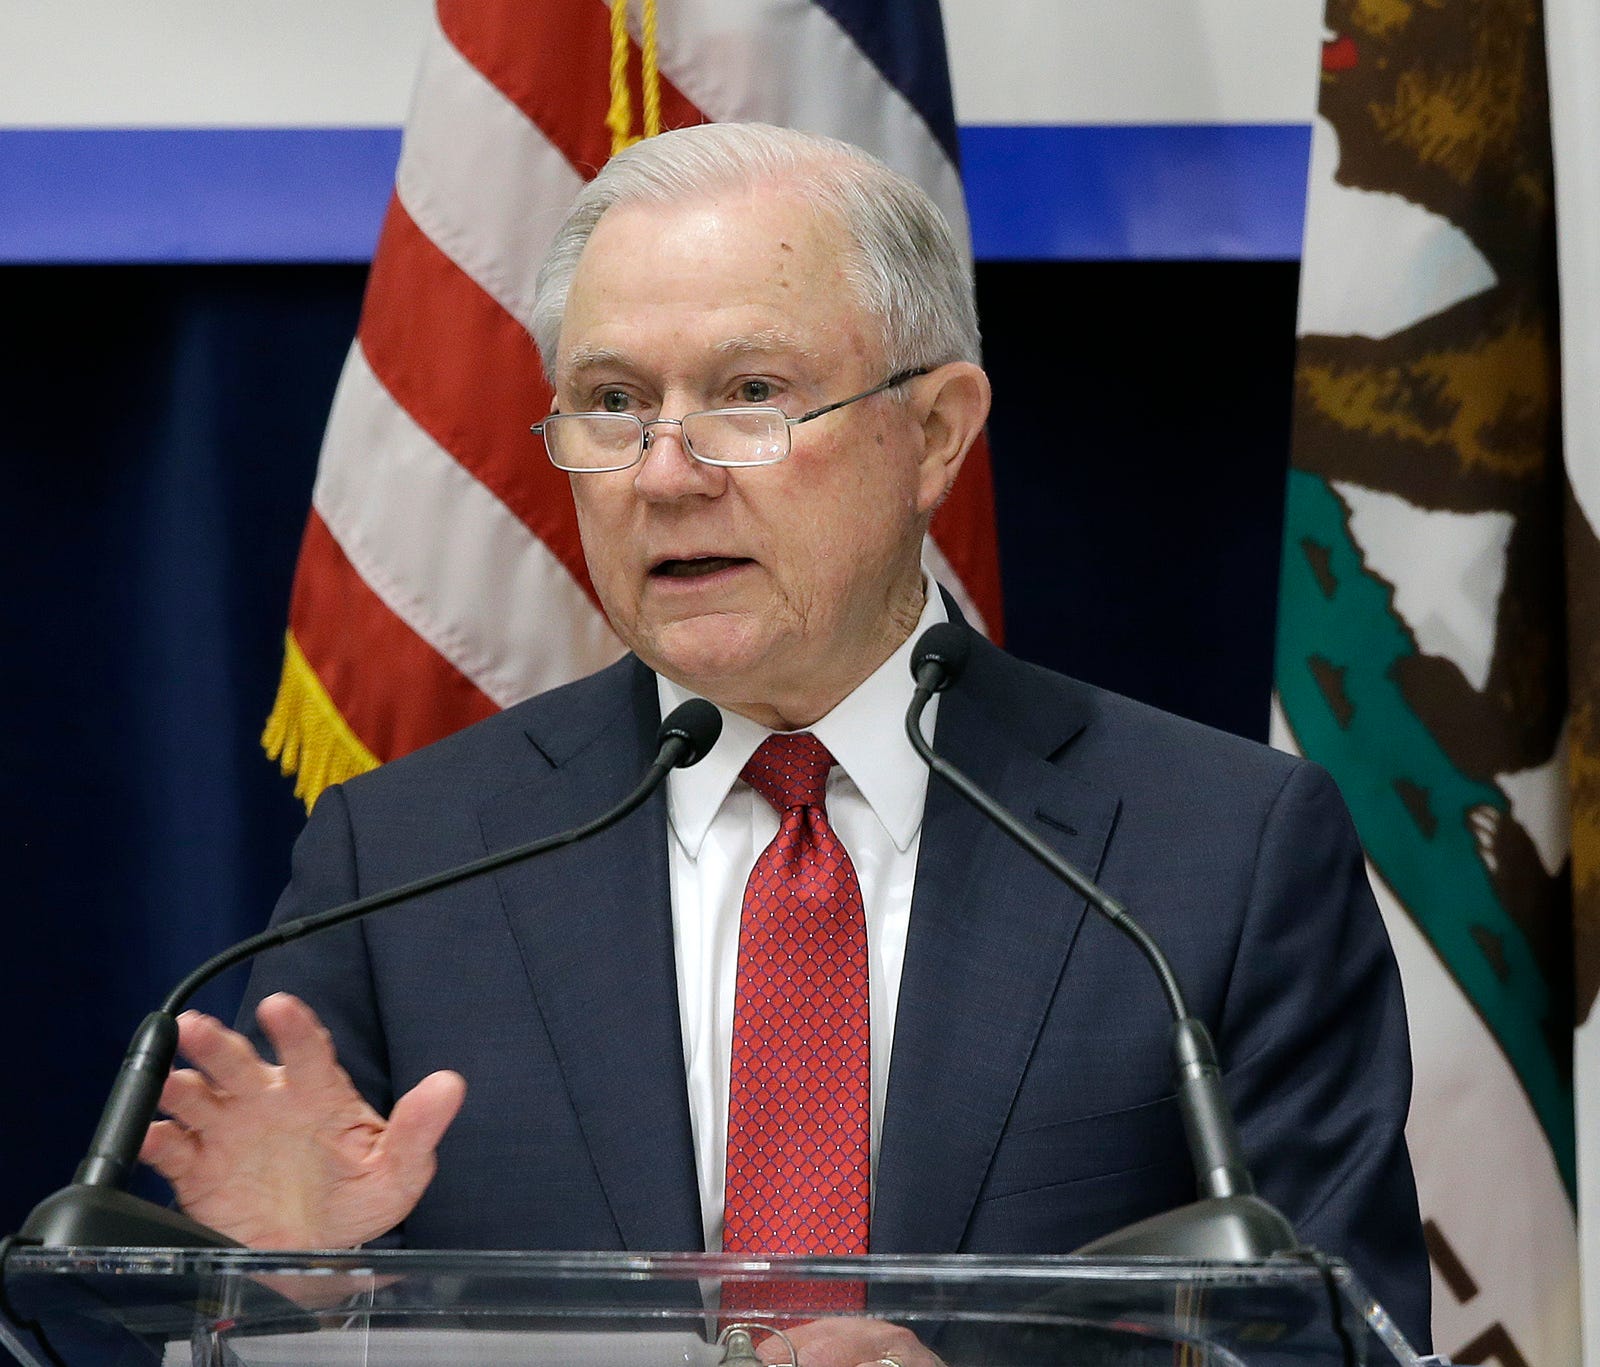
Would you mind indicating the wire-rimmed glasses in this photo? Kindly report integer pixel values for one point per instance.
(733, 438)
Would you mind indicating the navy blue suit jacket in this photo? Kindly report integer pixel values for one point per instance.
(1029, 1105)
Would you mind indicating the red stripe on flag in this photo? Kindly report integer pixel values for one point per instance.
(469, 375)
(552, 59)
(359, 648)
(964, 529)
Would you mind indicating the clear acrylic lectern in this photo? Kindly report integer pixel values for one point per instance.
(402, 1308)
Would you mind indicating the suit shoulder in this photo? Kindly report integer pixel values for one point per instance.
(493, 754)
(1126, 741)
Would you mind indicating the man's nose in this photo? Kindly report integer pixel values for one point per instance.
(668, 470)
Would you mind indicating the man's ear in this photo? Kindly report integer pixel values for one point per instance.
(954, 404)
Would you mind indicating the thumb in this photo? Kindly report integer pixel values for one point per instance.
(420, 1118)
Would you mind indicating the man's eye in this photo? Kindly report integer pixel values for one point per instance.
(614, 401)
(754, 391)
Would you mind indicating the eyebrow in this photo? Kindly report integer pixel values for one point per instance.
(587, 358)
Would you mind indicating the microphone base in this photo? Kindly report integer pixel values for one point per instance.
(1227, 1229)
(83, 1216)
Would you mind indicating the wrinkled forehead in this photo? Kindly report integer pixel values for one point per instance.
(766, 260)
(788, 208)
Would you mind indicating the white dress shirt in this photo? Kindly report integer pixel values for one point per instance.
(719, 826)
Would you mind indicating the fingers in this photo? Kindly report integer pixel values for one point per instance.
(304, 1048)
(419, 1120)
(188, 1098)
(852, 1341)
(306, 1053)
(298, 1037)
(897, 1345)
(224, 1055)
(169, 1149)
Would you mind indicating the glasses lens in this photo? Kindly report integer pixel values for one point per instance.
(592, 441)
(737, 436)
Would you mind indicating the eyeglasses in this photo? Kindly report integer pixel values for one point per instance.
(593, 443)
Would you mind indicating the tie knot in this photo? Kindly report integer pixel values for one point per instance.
(790, 770)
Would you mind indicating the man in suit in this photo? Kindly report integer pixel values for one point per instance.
(764, 354)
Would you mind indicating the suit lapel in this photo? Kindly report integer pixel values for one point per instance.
(989, 935)
(594, 927)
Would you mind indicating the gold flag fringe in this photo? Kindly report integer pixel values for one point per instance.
(307, 735)
(619, 119)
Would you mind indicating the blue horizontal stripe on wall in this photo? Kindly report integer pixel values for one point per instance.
(1050, 192)
(1137, 192)
(194, 194)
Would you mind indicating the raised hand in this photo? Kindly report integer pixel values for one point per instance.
(289, 1155)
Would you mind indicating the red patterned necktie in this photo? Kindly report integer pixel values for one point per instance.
(800, 1094)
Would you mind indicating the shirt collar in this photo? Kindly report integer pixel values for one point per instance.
(865, 734)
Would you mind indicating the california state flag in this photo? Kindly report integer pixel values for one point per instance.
(1440, 619)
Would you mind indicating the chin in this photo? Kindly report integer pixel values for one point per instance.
(710, 659)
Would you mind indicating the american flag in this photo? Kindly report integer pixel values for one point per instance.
(440, 577)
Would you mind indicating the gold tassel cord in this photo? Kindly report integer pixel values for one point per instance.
(307, 735)
(619, 118)
(650, 72)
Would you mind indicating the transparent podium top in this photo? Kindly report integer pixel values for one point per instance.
(377, 1308)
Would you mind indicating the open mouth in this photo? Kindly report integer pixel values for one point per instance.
(697, 567)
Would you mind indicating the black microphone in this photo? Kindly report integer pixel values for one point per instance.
(95, 1210)
(1229, 1222)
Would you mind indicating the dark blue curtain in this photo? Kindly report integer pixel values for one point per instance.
(160, 427)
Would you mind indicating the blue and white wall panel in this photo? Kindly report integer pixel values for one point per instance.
(187, 130)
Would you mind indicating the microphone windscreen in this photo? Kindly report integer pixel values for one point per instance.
(946, 645)
(697, 723)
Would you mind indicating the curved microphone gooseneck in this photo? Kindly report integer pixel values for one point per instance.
(1230, 1222)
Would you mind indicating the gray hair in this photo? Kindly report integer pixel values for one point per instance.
(908, 271)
